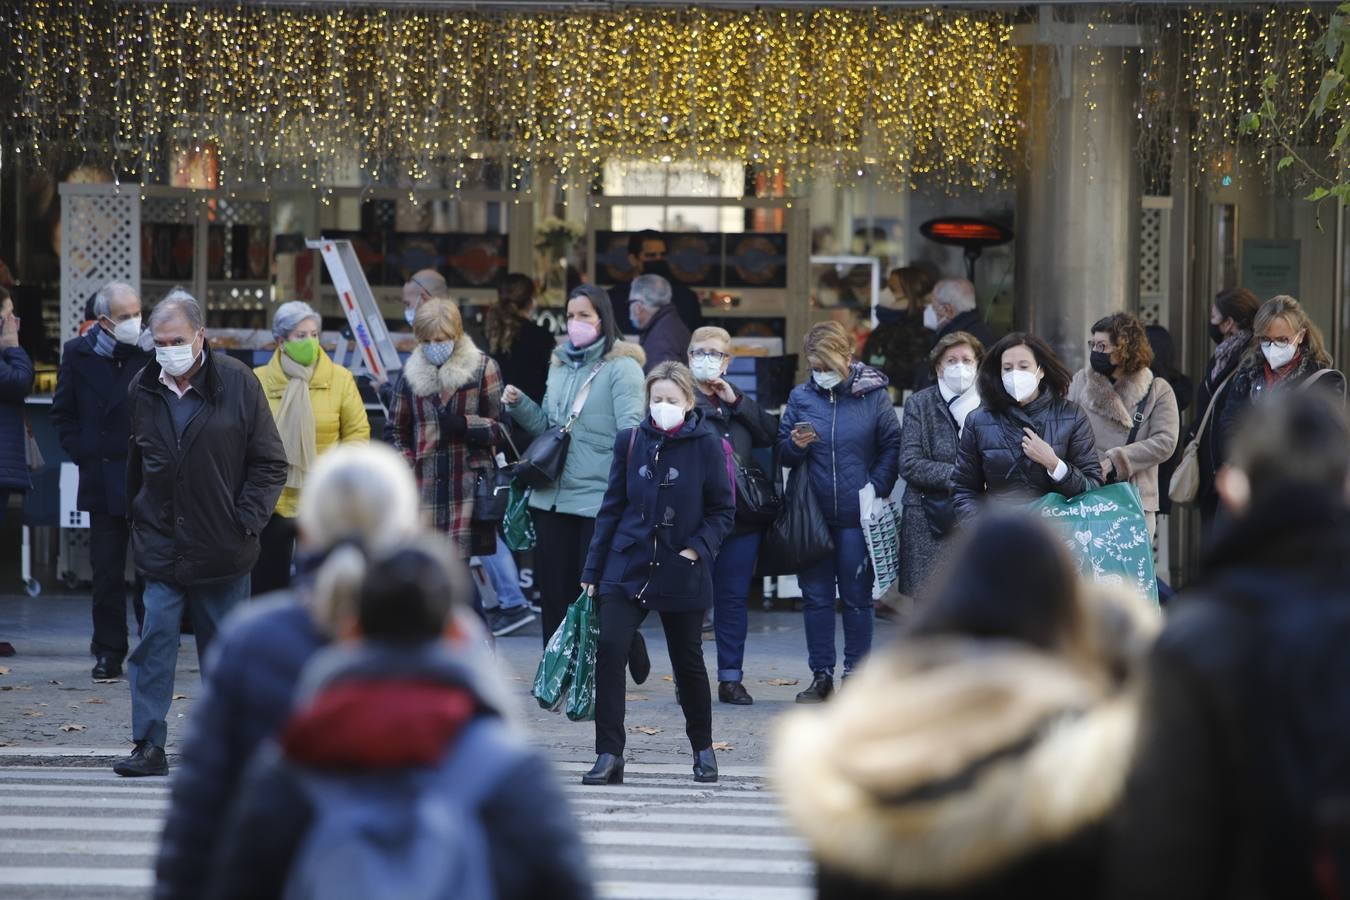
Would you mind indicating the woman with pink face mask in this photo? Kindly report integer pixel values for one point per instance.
(609, 370)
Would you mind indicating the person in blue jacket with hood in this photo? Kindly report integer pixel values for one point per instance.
(841, 425)
(668, 507)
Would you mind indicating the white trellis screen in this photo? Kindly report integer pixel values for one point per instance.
(100, 242)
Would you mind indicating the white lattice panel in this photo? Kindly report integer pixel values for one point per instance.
(170, 210)
(1151, 274)
(100, 242)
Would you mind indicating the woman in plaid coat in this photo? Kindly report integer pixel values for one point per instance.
(444, 420)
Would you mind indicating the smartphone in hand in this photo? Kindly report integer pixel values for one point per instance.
(804, 428)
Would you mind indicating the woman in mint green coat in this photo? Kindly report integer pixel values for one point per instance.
(564, 512)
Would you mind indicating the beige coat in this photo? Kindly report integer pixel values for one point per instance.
(1110, 408)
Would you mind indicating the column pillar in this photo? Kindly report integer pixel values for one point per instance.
(1078, 184)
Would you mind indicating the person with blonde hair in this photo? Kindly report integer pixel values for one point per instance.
(316, 406)
(1288, 353)
(359, 495)
(664, 517)
(445, 420)
(839, 424)
(744, 427)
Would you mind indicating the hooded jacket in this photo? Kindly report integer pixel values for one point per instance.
(1110, 409)
(352, 700)
(991, 462)
(961, 767)
(859, 441)
(92, 415)
(668, 493)
(614, 403)
(1246, 709)
(199, 502)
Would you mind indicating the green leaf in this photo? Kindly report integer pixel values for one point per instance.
(1331, 80)
(1251, 123)
(1318, 194)
(1284, 163)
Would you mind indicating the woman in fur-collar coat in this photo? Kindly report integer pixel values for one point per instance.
(981, 756)
(444, 420)
(1134, 415)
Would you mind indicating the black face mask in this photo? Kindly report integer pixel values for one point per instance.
(1215, 333)
(887, 316)
(658, 267)
(1101, 363)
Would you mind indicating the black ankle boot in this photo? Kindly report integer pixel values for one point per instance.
(608, 769)
(705, 766)
(734, 692)
(639, 663)
(822, 686)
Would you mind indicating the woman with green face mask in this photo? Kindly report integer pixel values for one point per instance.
(316, 405)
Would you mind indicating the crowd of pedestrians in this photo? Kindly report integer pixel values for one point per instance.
(1028, 734)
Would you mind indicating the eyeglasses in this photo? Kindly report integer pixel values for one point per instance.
(1277, 342)
(707, 354)
(1099, 347)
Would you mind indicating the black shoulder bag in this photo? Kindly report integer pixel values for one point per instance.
(542, 462)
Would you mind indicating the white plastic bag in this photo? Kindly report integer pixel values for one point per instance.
(880, 522)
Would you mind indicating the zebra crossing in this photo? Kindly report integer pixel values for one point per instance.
(84, 832)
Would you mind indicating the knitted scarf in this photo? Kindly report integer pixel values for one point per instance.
(1232, 345)
(295, 420)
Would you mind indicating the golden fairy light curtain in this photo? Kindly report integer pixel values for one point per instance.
(399, 95)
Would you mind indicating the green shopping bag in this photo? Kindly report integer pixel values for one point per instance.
(554, 675)
(1106, 533)
(517, 525)
(581, 692)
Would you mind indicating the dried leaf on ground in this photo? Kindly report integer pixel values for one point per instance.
(722, 745)
(635, 698)
(73, 727)
(32, 713)
(666, 678)
(644, 729)
(181, 697)
(95, 700)
(783, 682)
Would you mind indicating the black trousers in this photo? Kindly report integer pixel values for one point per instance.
(108, 538)
(619, 621)
(561, 542)
(276, 545)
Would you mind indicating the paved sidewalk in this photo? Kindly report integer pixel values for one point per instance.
(53, 713)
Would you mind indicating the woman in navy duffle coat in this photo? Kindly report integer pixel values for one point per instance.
(667, 509)
(850, 438)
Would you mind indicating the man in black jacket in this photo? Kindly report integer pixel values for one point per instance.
(647, 253)
(1240, 788)
(92, 416)
(205, 470)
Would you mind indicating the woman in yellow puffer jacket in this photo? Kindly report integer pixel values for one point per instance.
(316, 405)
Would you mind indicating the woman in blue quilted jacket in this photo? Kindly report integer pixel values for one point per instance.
(840, 424)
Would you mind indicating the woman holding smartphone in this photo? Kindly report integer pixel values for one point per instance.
(839, 424)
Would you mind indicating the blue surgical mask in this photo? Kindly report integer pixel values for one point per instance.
(437, 352)
(409, 314)
(827, 380)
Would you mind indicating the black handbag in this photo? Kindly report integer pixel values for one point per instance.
(799, 537)
(542, 462)
(757, 499)
(491, 495)
(940, 511)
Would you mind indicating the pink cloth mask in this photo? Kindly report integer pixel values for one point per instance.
(581, 334)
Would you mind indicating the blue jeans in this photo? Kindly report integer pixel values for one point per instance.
(152, 665)
(505, 577)
(850, 569)
(732, 571)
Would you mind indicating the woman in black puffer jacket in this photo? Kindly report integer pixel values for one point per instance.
(1026, 440)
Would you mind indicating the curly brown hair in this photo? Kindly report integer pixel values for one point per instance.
(1127, 333)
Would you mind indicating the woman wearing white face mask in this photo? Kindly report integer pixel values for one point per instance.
(445, 421)
(1026, 440)
(840, 424)
(1287, 354)
(933, 422)
(666, 511)
(744, 426)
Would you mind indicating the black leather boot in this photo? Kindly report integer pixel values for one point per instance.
(734, 692)
(705, 766)
(608, 769)
(146, 759)
(822, 686)
(107, 666)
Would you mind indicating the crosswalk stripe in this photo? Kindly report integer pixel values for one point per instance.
(646, 838)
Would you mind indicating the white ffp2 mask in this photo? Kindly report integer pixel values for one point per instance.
(666, 415)
(1020, 384)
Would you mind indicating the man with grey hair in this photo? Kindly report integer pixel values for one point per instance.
(664, 336)
(425, 284)
(92, 417)
(205, 470)
(953, 309)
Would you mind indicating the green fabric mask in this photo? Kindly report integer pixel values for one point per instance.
(304, 351)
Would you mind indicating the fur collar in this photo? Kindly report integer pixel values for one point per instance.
(620, 350)
(460, 369)
(1118, 401)
(948, 760)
